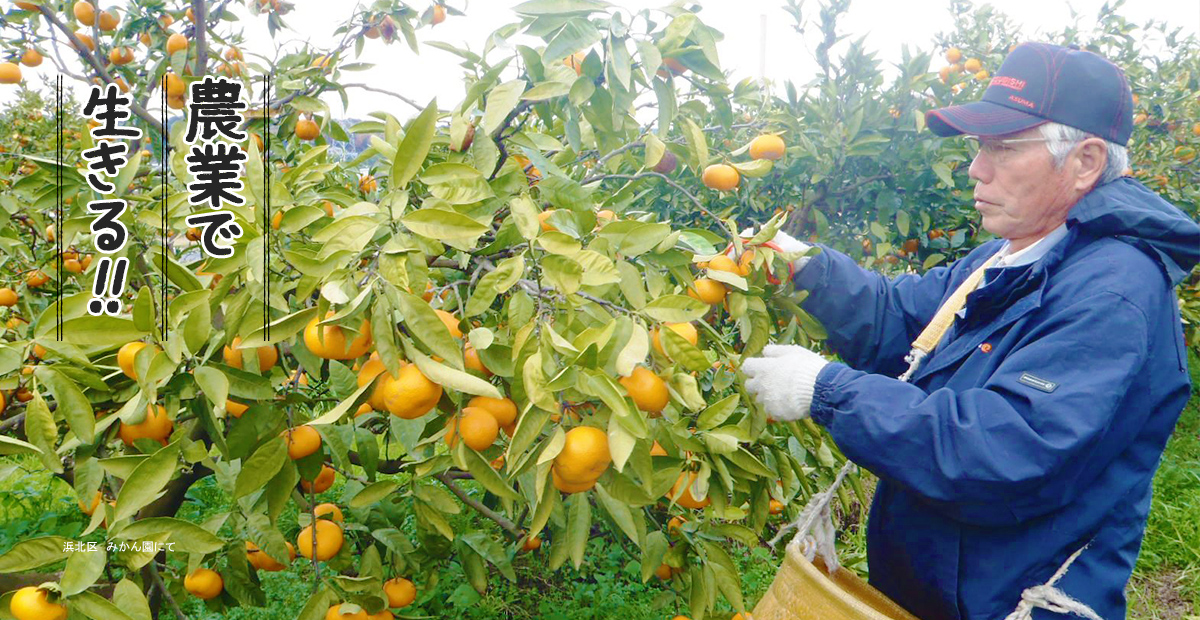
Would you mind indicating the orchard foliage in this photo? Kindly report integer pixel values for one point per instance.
(519, 303)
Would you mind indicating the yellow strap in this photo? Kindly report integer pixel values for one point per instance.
(937, 328)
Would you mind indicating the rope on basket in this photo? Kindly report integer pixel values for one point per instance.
(817, 520)
(1050, 598)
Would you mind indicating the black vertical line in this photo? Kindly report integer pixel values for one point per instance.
(267, 203)
(59, 201)
(163, 175)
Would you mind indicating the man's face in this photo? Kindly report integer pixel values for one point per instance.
(1018, 193)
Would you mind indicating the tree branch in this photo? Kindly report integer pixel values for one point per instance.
(500, 519)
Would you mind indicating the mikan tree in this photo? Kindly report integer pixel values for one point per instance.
(531, 303)
(476, 312)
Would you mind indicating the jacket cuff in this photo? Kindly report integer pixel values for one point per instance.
(805, 382)
(811, 270)
(822, 408)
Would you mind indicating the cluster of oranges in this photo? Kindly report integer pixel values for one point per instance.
(971, 66)
(725, 178)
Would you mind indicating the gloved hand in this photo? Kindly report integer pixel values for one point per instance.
(785, 243)
(782, 380)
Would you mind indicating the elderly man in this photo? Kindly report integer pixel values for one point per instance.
(1034, 425)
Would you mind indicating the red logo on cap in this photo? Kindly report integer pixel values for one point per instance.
(1010, 82)
(1025, 102)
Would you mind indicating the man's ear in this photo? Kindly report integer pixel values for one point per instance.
(1090, 159)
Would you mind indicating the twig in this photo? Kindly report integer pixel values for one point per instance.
(152, 568)
(500, 519)
(385, 92)
(90, 59)
(669, 180)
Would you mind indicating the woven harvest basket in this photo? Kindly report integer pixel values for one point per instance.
(805, 591)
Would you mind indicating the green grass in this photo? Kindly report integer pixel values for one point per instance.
(1170, 554)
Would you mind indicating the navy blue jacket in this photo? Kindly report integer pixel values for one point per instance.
(1034, 427)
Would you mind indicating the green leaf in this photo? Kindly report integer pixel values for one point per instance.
(442, 224)
(266, 461)
(178, 274)
(147, 481)
(664, 92)
(337, 413)
(902, 222)
(500, 102)
(534, 382)
(606, 389)
(438, 498)
(498, 281)
(635, 350)
(97, 607)
(72, 404)
(42, 432)
(546, 90)
(697, 142)
(681, 351)
(489, 478)
(754, 169)
(317, 606)
(631, 284)
(562, 273)
(619, 61)
(433, 520)
(280, 329)
(97, 331)
(457, 183)
(426, 327)
(620, 513)
(10, 446)
(83, 569)
(491, 551)
(651, 60)
(750, 463)
(675, 309)
(411, 152)
(932, 261)
(452, 378)
(943, 174)
(143, 310)
(557, 7)
(188, 537)
(653, 552)
(33, 553)
(475, 568)
(578, 33)
(579, 526)
(373, 493)
(129, 599)
(598, 269)
(214, 384)
(525, 215)
(717, 413)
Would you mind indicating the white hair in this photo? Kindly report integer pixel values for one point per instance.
(1061, 140)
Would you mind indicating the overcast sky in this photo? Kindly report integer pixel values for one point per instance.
(887, 24)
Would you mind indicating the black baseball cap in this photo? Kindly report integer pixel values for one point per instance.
(1039, 82)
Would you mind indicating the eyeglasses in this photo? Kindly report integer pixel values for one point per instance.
(999, 150)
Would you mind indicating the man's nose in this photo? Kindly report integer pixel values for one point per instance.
(981, 170)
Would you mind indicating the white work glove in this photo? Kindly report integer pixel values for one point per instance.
(786, 243)
(782, 380)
